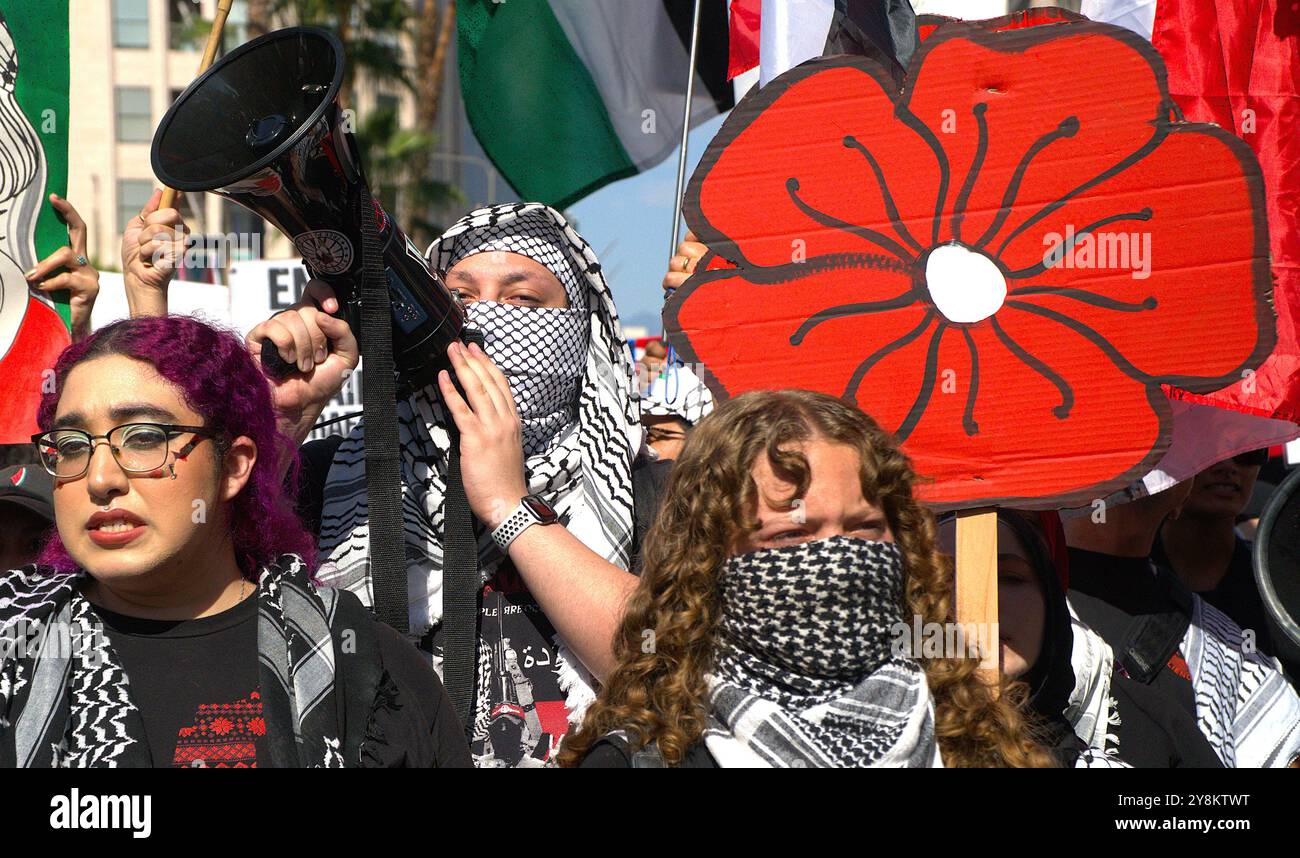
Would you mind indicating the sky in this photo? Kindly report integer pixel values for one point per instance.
(628, 222)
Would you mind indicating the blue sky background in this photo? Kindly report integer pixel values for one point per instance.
(627, 223)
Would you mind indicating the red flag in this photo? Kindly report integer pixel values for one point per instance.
(742, 47)
(1237, 63)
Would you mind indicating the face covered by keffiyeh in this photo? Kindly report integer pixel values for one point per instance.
(67, 702)
(572, 379)
(806, 674)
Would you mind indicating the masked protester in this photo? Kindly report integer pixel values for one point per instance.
(765, 628)
(550, 413)
(181, 578)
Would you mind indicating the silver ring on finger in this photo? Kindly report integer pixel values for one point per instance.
(82, 261)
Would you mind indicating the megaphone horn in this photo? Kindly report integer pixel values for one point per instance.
(263, 127)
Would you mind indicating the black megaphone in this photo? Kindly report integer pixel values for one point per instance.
(263, 127)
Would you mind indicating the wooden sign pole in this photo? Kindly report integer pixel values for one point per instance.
(977, 583)
(209, 57)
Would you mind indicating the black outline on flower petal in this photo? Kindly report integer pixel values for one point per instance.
(926, 133)
(1041, 267)
(1115, 169)
(928, 374)
(860, 308)
(851, 142)
(877, 238)
(855, 380)
(1103, 301)
(977, 162)
(1062, 411)
(972, 392)
(1066, 128)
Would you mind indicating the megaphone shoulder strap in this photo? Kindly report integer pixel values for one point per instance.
(382, 448)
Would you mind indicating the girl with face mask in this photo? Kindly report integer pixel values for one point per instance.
(183, 580)
(788, 550)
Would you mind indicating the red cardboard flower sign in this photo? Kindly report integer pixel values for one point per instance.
(1002, 264)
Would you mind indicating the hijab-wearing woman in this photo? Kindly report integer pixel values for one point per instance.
(764, 632)
(180, 578)
(1084, 712)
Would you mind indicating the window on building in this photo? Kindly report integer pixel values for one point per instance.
(186, 29)
(134, 118)
(236, 32)
(385, 103)
(132, 194)
(131, 23)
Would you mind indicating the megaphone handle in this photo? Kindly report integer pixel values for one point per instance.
(277, 367)
(272, 364)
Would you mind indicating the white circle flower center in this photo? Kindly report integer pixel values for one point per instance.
(964, 284)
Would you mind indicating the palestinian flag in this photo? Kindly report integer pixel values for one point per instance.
(33, 164)
(566, 96)
(777, 35)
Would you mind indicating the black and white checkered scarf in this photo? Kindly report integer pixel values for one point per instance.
(67, 702)
(572, 377)
(806, 674)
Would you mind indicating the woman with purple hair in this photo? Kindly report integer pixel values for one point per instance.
(179, 588)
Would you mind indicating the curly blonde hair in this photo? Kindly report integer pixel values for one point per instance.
(711, 501)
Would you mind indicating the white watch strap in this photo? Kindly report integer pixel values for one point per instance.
(516, 523)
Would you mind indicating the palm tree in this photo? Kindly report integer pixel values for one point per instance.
(397, 159)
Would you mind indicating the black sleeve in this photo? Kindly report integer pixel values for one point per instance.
(314, 459)
(606, 755)
(421, 729)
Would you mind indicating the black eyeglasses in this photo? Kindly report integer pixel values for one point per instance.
(657, 434)
(137, 447)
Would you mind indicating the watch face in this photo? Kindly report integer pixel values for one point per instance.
(539, 508)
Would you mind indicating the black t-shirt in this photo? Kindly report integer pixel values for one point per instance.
(196, 684)
(519, 712)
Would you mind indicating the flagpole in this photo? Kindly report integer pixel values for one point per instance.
(686, 130)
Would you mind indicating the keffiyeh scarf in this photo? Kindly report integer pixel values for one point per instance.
(581, 461)
(1244, 705)
(678, 392)
(806, 674)
(1091, 709)
(67, 702)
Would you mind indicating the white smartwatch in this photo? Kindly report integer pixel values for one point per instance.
(531, 510)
